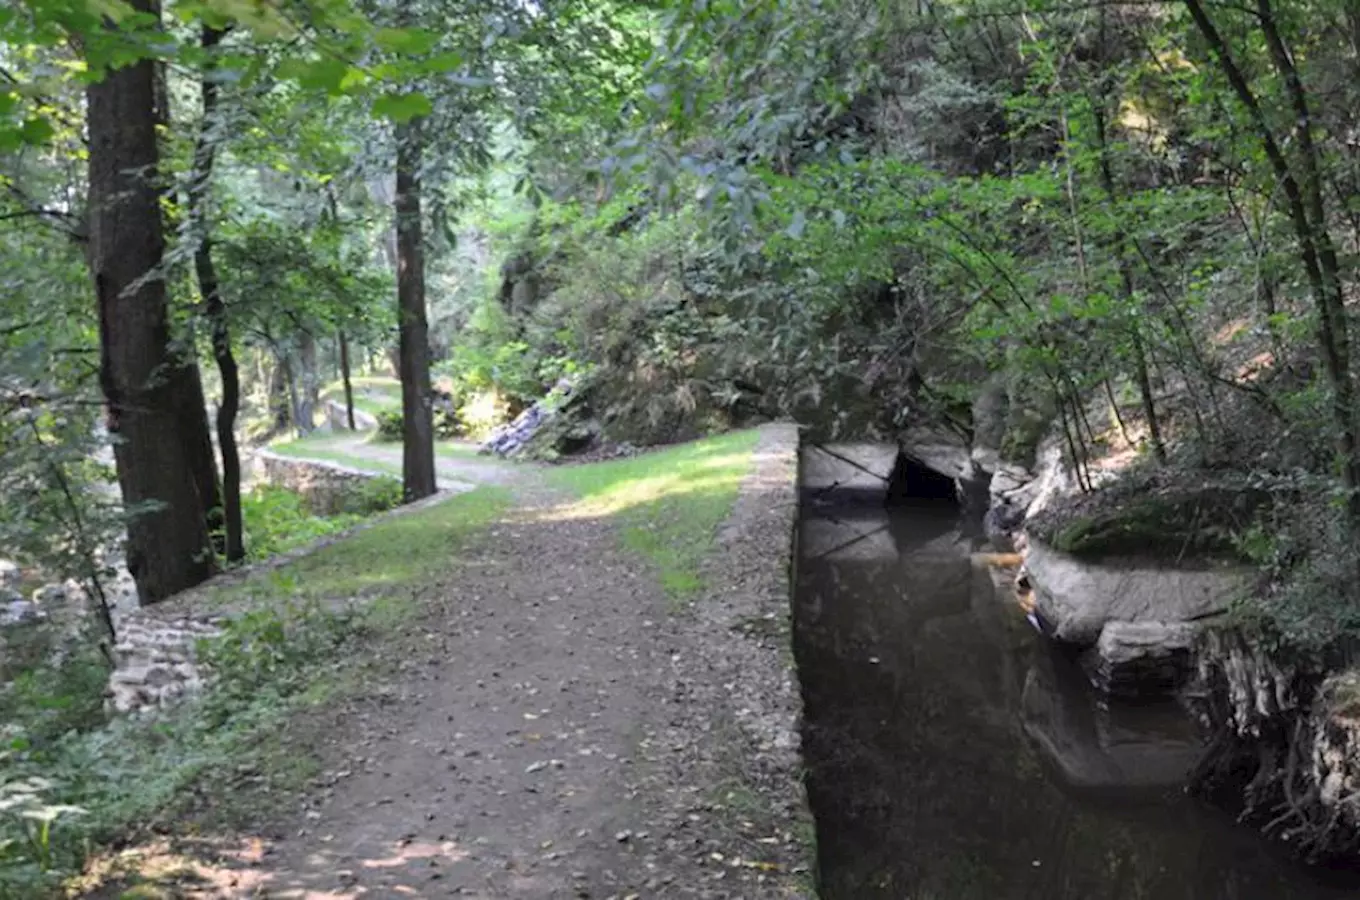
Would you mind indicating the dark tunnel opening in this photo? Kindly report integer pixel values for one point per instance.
(912, 481)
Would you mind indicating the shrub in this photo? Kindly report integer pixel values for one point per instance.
(372, 496)
(277, 521)
(447, 425)
(389, 425)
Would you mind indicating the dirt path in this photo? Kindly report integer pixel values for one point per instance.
(452, 471)
(558, 730)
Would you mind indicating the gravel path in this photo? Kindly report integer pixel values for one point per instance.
(453, 472)
(559, 731)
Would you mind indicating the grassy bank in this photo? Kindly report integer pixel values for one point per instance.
(230, 756)
(670, 502)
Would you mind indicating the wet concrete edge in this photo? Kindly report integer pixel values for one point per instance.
(747, 624)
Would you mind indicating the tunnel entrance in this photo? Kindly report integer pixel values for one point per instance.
(912, 481)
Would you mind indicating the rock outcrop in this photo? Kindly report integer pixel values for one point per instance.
(514, 438)
(1075, 599)
(1286, 749)
(866, 467)
(1142, 659)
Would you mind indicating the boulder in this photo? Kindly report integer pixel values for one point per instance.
(1075, 599)
(15, 610)
(1142, 659)
(11, 576)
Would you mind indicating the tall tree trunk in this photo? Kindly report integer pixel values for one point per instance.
(307, 394)
(205, 152)
(290, 382)
(417, 458)
(345, 378)
(168, 548)
(192, 407)
(280, 407)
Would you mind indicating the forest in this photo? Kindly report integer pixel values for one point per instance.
(1128, 231)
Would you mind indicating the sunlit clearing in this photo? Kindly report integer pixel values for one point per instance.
(670, 502)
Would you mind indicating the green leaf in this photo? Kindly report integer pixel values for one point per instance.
(114, 10)
(402, 107)
(37, 131)
(414, 41)
(325, 74)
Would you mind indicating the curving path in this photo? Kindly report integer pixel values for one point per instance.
(555, 729)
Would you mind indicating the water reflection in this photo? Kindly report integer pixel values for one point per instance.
(953, 757)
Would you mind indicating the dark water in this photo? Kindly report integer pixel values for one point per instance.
(953, 756)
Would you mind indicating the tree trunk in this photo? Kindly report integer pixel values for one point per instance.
(345, 378)
(414, 345)
(205, 152)
(280, 407)
(192, 405)
(1130, 296)
(1307, 214)
(290, 382)
(308, 393)
(168, 548)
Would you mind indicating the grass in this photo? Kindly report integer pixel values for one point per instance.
(233, 754)
(372, 394)
(670, 502)
(393, 554)
(325, 447)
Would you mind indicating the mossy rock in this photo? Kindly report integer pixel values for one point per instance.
(1182, 515)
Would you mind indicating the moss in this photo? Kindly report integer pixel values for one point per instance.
(1162, 513)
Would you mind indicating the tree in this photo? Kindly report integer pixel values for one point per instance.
(148, 386)
(209, 286)
(1300, 177)
(418, 475)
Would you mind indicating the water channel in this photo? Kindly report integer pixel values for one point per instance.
(953, 755)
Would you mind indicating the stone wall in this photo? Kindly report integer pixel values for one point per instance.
(156, 663)
(744, 630)
(323, 486)
(337, 417)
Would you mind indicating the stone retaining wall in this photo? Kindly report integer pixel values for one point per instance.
(155, 661)
(746, 634)
(323, 486)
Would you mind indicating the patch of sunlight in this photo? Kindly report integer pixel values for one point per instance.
(393, 553)
(159, 870)
(1255, 367)
(1230, 332)
(670, 502)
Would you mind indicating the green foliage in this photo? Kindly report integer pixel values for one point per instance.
(32, 829)
(447, 425)
(58, 691)
(276, 521)
(373, 495)
(389, 425)
(270, 651)
(382, 560)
